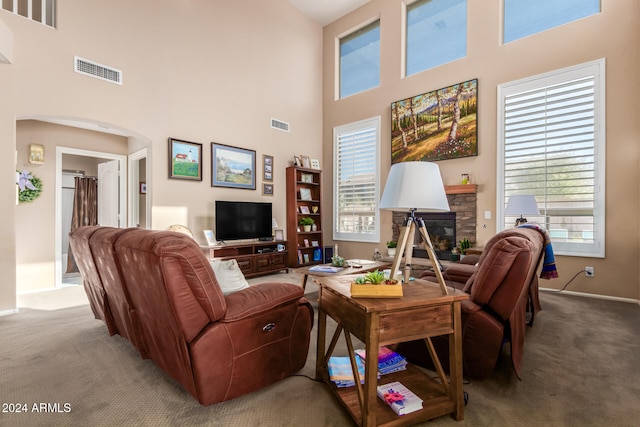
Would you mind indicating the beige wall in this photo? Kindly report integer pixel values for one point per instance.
(613, 34)
(213, 72)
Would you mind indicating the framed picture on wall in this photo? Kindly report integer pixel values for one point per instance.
(267, 167)
(185, 160)
(233, 167)
(436, 133)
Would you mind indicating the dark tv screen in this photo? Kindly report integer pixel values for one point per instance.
(243, 220)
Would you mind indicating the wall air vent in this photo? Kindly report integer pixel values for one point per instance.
(280, 125)
(93, 69)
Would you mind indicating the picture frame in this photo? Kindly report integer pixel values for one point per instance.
(185, 160)
(267, 168)
(305, 210)
(305, 194)
(278, 234)
(296, 161)
(267, 189)
(143, 188)
(306, 177)
(306, 162)
(210, 237)
(306, 243)
(233, 167)
(306, 258)
(437, 133)
(315, 243)
(36, 154)
(315, 164)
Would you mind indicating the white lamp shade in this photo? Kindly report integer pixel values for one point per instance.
(274, 223)
(522, 204)
(414, 186)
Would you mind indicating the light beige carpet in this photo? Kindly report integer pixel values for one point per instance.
(581, 368)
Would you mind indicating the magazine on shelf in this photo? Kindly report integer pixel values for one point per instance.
(399, 398)
(341, 373)
(388, 360)
(325, 268)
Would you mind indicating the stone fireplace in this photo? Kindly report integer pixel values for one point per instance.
(440, 226)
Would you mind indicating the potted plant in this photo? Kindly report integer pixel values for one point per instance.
(375, 285)
(464, 245)
(391, 248)
(306, 222)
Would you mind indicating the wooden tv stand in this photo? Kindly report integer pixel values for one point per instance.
(254, 258)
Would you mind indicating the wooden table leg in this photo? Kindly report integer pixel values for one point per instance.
(322, 336)
(371, 370)
(304, 281)
(456, 389)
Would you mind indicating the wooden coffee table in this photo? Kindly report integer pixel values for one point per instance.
(422, 312)
(366, 266)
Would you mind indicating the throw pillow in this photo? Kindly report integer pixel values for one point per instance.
(229, 275)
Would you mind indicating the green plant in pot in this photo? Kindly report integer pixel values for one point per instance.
(464, 245)
(391, 247)
(306, 222)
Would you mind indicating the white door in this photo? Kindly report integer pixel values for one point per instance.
(108, 194)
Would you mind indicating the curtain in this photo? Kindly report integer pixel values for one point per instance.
(85, 211)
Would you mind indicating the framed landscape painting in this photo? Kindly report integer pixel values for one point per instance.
(233, 167)
(185, 160)
(437, 125)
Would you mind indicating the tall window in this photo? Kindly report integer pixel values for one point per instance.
(356, 184)
(551, 132)
(360, 60)
(436, 33)
(524, 18)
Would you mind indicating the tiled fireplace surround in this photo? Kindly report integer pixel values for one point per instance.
(462, 200)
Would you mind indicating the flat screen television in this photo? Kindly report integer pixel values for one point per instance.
(243, 220)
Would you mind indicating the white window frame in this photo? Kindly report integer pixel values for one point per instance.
(430, 41)
(550, 10)
(595, 69)
(339, 65)
(352, 128)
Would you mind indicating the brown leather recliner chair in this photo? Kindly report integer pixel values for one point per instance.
(496, 311)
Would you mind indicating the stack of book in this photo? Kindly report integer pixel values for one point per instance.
(399, 398)
(388, 360)
(341, 373)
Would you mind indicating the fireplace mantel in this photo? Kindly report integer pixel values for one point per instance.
(461, 189)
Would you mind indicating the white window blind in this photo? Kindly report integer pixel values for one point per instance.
(356, 183)
(552, 141)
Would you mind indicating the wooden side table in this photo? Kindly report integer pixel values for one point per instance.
(423, 312)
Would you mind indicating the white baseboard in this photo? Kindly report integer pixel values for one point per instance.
(587, 295)
(8, 312)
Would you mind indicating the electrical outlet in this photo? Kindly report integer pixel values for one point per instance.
(588, 271)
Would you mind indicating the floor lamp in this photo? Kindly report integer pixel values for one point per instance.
(411, 187)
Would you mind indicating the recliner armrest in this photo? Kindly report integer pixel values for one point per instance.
(260, 298)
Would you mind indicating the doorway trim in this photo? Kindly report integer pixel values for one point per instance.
(122, 200)
(134, 179)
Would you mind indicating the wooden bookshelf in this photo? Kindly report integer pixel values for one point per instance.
(304, 191)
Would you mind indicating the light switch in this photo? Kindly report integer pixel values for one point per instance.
(487, 214)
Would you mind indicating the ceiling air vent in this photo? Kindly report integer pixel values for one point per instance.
(93, 69)
(280, 125)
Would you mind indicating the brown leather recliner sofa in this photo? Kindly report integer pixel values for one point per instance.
(158, 290)
(501, 288)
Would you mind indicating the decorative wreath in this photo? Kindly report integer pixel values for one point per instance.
(30, 187)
